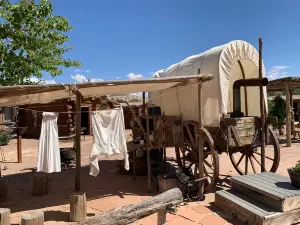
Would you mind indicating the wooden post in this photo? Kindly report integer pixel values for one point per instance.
(144, 105)
(33, 218)
(19, 146)
(4, 216)
(78, 140)
(200, 141)
(161, 217)
(288, 116)
(134, 164)
(40, 184)
(148, 152)
(78, 207)
(292, 112)
(262, 111)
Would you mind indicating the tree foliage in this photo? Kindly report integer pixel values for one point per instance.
(32, 40)
(277, 108)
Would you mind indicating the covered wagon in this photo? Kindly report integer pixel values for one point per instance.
(231, 110)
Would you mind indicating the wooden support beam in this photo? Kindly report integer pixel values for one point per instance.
(144, 105)
(288, 116)
(262, 111)
(148, 151)
(131, 213)
(19, 146)
(292, 112)
(200, 142)
(78, 141)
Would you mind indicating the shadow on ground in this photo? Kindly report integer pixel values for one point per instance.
(62, 184)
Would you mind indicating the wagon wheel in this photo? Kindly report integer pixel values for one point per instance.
(248, 160)
(188, 157)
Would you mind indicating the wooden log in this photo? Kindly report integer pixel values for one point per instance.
(4, 216)
(77, 207)
(161, 217)
(131, 213)
(40, 184)
(33, 218)
(4, 190)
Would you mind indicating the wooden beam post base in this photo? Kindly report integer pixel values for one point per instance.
(33, 218)
(40, 184)
(77, 207)
(4, 216)
(161, 217)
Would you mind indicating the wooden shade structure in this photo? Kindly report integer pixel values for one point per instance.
(33, 94)
(287, 84)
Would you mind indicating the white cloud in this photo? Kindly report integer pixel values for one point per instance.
(82, 71)
(133, 76)
(38, 81)
(117, 78)
(49, 82)
(158, 73)
(277, 72)
(95, 80)
(79, 78)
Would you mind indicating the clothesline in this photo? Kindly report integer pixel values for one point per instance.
(188, 86)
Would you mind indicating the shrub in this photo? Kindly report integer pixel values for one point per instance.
(5, 137)
(277, 108)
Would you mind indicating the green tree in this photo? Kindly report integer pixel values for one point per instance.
(277, 108)
(33, 40)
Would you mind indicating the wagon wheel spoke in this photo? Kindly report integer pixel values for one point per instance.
(190, 154)
(256, 159)
(246, 165)
(240, 160)
(193, 144)
(208, 164)
(195, 172)
(267, 157)
(272, 161)
(252, 164)
(205, 171)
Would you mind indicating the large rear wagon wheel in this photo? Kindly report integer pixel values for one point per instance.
(248, 159)
(188, 156)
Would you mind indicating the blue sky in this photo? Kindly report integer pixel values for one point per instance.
(116, 38)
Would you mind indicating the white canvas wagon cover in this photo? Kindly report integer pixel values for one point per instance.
(227, 63)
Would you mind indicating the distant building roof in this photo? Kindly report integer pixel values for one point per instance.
(295, 97)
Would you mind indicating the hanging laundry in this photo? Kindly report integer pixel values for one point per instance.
(109, 138)
(49, 152)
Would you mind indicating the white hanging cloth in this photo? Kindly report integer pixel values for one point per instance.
(109, 138)
(49, 153)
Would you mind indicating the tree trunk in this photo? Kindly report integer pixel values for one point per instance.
(33, 218)
(131, 213)
(4, 216)
(40, 184)
(77, 207)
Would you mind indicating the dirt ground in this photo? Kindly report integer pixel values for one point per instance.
(107, 191)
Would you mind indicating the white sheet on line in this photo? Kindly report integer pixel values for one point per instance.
(109, 138)
(48, 152)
